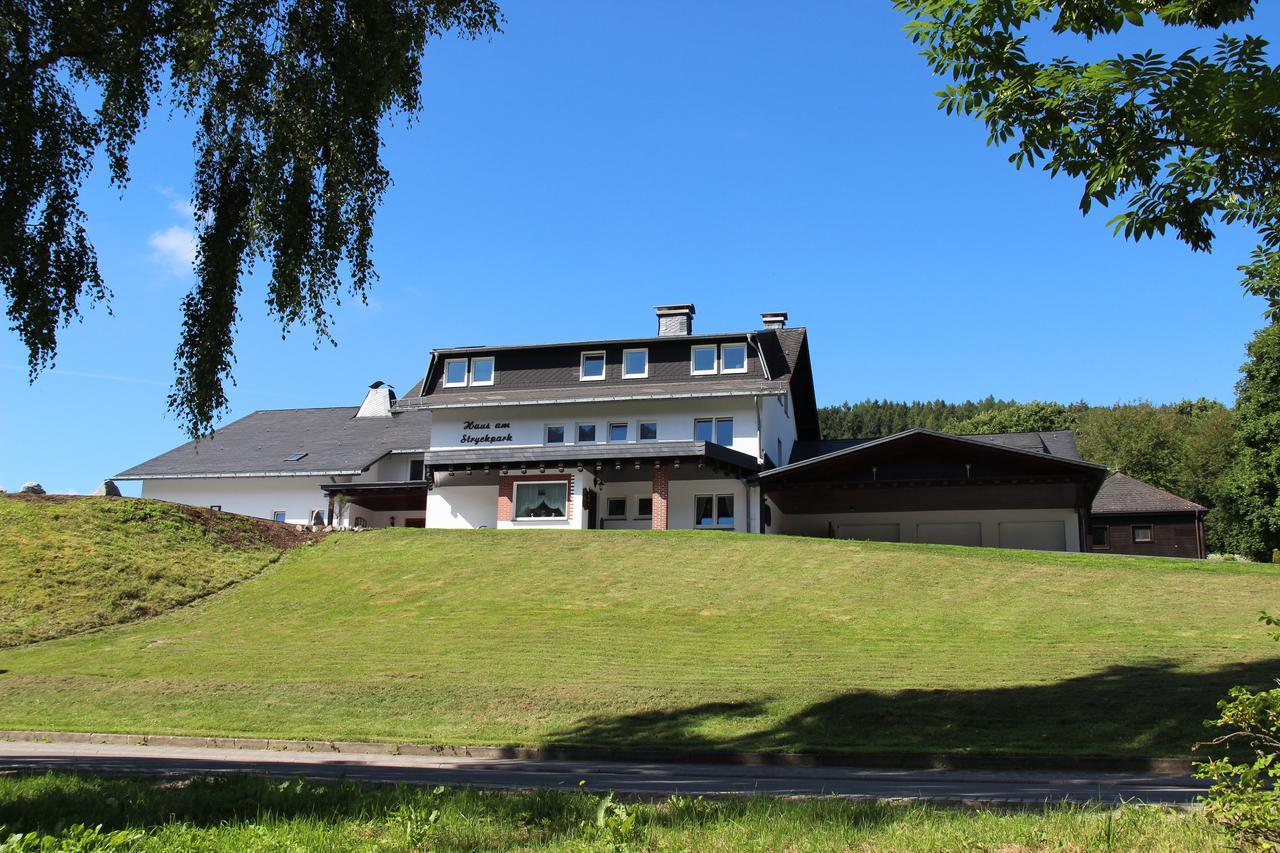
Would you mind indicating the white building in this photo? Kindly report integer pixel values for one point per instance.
(676, 430)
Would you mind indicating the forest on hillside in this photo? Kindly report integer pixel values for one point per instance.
(1187, 447)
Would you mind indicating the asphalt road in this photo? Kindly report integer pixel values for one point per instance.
(642, 779)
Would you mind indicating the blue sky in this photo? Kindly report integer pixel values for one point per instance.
(597, 159)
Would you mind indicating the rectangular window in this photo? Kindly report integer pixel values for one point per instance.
(295, 457)
(635, 363)
(615, 508)
(279, 515)
(644, 507)
(586, 433)
(733, 358)
(724, 431)
(541, 500)
(417, 469)
(482, 371)
(216, 508)
(1142, 533)
(1098, 537)
(618, 432)
(647, 430)
(455, 372)
(724, 510)
(713, 510)
(717, 430)
(592, 366)
(555, 434)
(703, 360)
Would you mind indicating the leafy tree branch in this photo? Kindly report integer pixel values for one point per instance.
(288, 99)
(1183, 143)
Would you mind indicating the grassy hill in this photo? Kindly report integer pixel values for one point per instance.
(678, 639)
(68, 564)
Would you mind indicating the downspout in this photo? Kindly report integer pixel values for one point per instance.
(764, 365)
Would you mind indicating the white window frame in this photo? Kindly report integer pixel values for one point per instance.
(639, 516)
(642, 375)
(715, 501)
(283, 512)
(745, 359)
(715, 351)
(515, 499)
(608, 432)
(466, 362)
(564, 434)
(471, 371)
(577, 436)
(614, 516)
(582, 366)
(715, 429)
(655, 431)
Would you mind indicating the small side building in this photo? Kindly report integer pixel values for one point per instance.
(1133, 517)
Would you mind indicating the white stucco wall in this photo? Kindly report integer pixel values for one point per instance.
(528, 423)
(392, 468)
(909, 524)
(465, 507)
(680, 515)
(777, 426)
(256, 496)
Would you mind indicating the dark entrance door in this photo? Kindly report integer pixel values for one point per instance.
(589, 506)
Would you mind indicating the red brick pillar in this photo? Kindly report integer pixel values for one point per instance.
(660, 491)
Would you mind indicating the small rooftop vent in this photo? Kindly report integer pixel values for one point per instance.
(674, 320)
(774, 319)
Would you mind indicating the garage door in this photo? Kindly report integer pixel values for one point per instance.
(950, 532)
(1034, 535)
(870, 532)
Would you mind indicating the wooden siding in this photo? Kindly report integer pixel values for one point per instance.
(1173, 535)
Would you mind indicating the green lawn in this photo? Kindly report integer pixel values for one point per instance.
(242, 813)
(68, 564)
(678, 639)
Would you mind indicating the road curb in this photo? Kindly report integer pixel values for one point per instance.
(872, 760)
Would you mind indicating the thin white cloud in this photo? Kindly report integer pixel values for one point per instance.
(79, 374)
(174, 248)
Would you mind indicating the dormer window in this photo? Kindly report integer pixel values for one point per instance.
(455, 373)
(733, 358)
(592, 366)
(703, 360)
(482, 371)
(635, 363)
(461, 372)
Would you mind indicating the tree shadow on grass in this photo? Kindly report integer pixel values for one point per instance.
(1155, 709)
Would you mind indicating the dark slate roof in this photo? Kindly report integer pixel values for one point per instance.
(1124, 495)
(1061, 443)
(542, 373)
(1016, 442)
(334, 440)
(592, 392)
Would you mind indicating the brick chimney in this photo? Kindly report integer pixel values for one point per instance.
(774, 319)
(674, 320)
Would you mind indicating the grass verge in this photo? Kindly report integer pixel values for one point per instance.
(68, 564)
(681, 640)
(249, 813)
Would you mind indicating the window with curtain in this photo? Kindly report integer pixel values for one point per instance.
(713, 510)
(541, 500)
